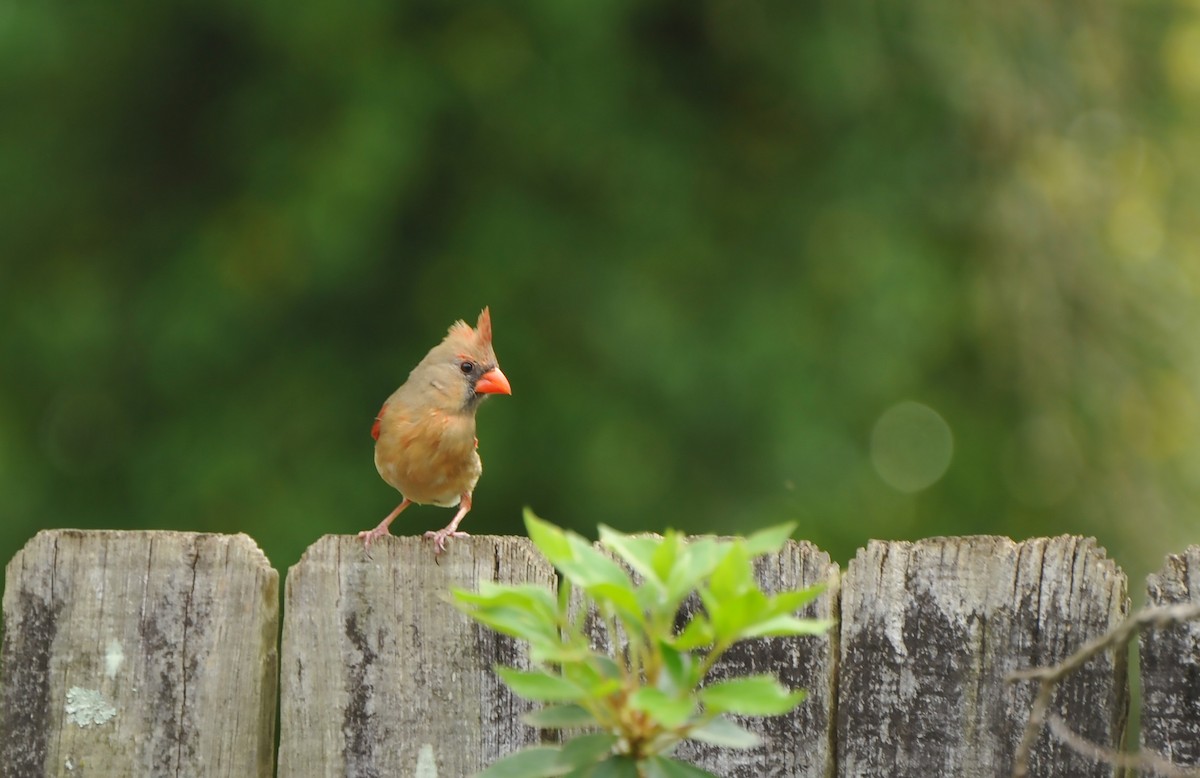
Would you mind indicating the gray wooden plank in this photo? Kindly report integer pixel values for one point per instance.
(1170, 665)
(931, 628)
(382, 676)
(139, 653)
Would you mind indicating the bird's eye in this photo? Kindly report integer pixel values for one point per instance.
(467, 367)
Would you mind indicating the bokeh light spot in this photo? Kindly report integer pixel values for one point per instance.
(911, 446)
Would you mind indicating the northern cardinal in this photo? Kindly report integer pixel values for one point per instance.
(425, 444)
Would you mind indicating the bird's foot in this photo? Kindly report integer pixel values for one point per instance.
(440, 537)
(368, 536)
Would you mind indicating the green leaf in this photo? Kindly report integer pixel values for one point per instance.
(732, 614)
(537, 685)
(491, 594)
(559, 717)
(564, 606)
(558, 653)
(589, 567)
(554, 543)
(697, 560)
(598, 677)
(787, 626)
(637, 552)
(670, 712)
(666, 553)
(723, 732)
(756, 695)
(536, 762)
(733, 576)
(606, 666)
(517, 622)
(769, 540)
(613, 767)
(792, 601)
(622, 598)
(662, 767)
(652, 599)
(586, 749)
(697, 634)
(682, 670)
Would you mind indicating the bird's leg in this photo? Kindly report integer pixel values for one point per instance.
(369, 535)
(451, 529)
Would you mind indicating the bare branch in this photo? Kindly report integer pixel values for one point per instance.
(1049, 677)
(1145, 762)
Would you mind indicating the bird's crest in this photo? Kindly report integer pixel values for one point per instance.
(482, 332)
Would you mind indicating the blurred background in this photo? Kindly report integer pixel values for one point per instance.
(887, 270)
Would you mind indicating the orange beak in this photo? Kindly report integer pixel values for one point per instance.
(492, 382)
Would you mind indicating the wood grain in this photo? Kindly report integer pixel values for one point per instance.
(382, 675)
(1170, 665)
(931, 628)
(139, 653)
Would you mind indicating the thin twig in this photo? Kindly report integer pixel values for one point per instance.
(1049, 677)
(1145, 762)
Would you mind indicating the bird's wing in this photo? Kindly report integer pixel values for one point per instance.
(378, 420)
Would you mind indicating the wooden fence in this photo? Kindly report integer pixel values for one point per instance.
(159, 654)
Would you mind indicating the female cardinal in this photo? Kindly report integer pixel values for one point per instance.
(425, 444)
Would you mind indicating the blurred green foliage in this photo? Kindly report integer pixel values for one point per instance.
(720, 240)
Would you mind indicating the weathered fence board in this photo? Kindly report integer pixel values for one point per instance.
(138, 653)
(381, 675)
(930, 630)
(154, 653)
(1170, 665)
(799, 743)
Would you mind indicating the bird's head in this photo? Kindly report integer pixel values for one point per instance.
(465, 359)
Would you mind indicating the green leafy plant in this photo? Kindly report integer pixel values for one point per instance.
(640, 699)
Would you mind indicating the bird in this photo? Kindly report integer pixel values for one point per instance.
(425, 443)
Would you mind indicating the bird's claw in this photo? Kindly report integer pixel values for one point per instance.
(440, 537)
(368, 536)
